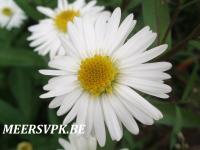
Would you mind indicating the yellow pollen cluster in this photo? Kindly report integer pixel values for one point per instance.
(64, 17)
(97, 74)
(7, 11)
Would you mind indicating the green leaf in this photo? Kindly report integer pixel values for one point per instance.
(190, 119)
(21, 87)
(110, 3)
(30, 11)
(190, 84)
(9, 114)
(156, 15)
(53, 118)
(177, 127)
(133, 4)
(25, 58)
(195, 44)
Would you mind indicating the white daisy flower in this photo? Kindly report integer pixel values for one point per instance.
(98, 82)
(77, 142)
(11, 15)
(46, 35)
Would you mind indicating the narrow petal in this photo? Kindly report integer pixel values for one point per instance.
(73, 113)
(112, 27)
(46, 11)
(82, 112)
(124, 116)
(53, 72)
(59, 91)
(90, 117)
(144, 57)
(68, 102)
(144, 84)
(112, 121)
(138, 101)
(65, 144)
(137, 113)
(56, 102)
(99, 125)
(64, 63)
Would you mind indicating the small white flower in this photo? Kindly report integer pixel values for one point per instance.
(77, 142)
(11, 15)
(46, 35)
(97, 82)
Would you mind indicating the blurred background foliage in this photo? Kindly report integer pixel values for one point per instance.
(177, 23)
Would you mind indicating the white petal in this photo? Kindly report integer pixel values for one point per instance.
(69, 101)
(137, 113)
(46, 11)
(61, 81)
(124, 116)
(124, 30)
(90, 118)
(144, 57)
(76, 37)
(138, 101)
(137, 44)
(73, 113)
(65, 63)
(99, 125)
(65, 144)
(68, 46)
(78, 4)
(89, 6)
(89, 32)
(112, 27)
(53, 72)
(82, 112)
(147, 75)
(156, 66)
(92, 143)
(56, 102)
(62, 4)
(59, 91)
(111, 120)
(100, 30)
(143, 84)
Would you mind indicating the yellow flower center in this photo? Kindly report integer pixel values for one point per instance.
(97, 74)
(7, 11)
(24, 146)
(64, 17)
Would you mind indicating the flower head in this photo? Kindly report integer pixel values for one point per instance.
(46, 35)
(78, 142)
(98, 82)
(11, 15)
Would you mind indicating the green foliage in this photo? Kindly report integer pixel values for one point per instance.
(10, 114)
(22, 90)
(20, 58)
(173, 114)
(30, 11)
(156, 15)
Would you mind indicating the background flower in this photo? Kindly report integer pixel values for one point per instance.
(80, 143)
(46, 35)
(11, 15)
(77, 142)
